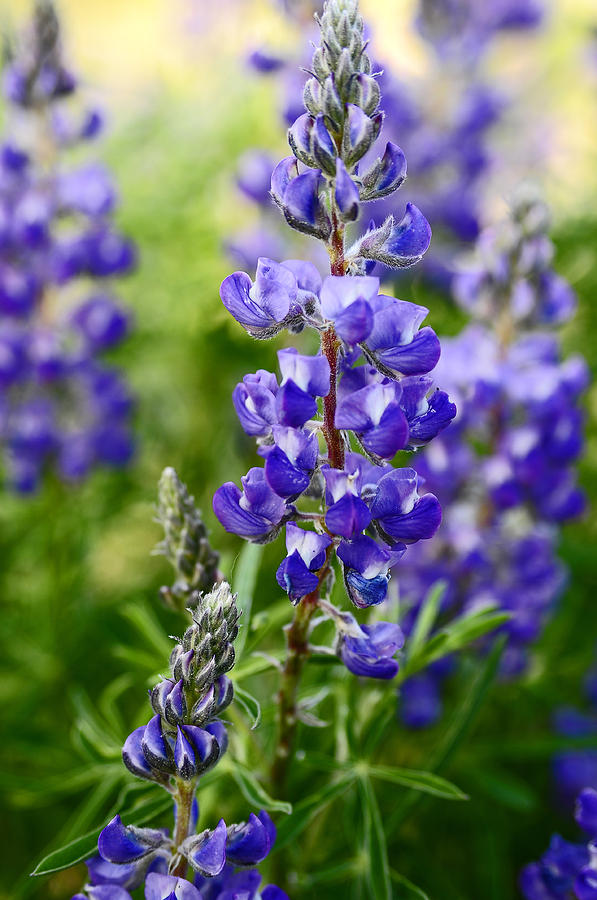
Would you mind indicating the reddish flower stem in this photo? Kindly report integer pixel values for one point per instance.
(297, 633)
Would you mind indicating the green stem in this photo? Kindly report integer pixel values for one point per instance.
(185, 792)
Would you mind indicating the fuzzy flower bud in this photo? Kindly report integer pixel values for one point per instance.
(185, 542)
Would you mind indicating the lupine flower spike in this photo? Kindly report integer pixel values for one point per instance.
(329, 426)
(184, 739)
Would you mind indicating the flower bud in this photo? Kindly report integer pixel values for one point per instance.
(346, 194)
(185, 542)
(360, 132)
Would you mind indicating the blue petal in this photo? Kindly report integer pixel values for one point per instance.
(207, 852)
(416, 358)
(155, 746)
(294, 406)
(294, 577)
(247, 844)
(354, 323)
(285, 479)
(301, 198)
(390, 435)
(118, 843)
(348, 517)
(346, 193)
(234, 292)
(162, 887)
(420, 523)
(133, 755)
(283, 174)
(410, 238)
(365, 592)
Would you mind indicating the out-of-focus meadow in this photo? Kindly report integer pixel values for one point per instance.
(78, 586)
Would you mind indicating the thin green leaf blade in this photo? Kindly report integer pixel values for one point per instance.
(375, 845)
(305, 810)
(412, 890)
(425, 619)
(245, 579)
(84, 847)
(254, 792)
(250, 705)
(427, 782)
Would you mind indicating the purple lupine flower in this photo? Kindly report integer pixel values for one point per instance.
(396, 340)
(306, 555)
(401, 514)
(255, 513)
(369, 651)
(255, 402)
(348, 303)
(367, 564)
(261, 307)
(290, 461)
(55, 228)
(375, 415)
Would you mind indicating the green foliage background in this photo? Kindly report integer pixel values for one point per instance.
(81, 630)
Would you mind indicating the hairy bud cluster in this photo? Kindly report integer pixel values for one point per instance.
(342, 123)
(184, 738)
(185, 544)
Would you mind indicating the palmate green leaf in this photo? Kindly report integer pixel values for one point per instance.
(374, 844)
(410, 890)
(84, 847)
(305, 810)
(245, 579)
(427, 782)
(455, 636)
(425, 619)
(254, 792)
(250, 705)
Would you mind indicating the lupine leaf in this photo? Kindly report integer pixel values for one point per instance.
(455, 636)
(504, 788)
(255, 664)
(140, 615)
(245, 579)
(306, 810)
(375, 846)
(425, 619)
(84, 847)
(459, 727)
(427, 782)
(250, 704)
(411, 889)
(254, 792)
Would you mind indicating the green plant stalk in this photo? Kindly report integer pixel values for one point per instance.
(185, 792)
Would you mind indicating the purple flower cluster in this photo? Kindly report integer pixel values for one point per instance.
(60, 404)
(329, 426)
(567, 870)
(504, 472)
(181, 742)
